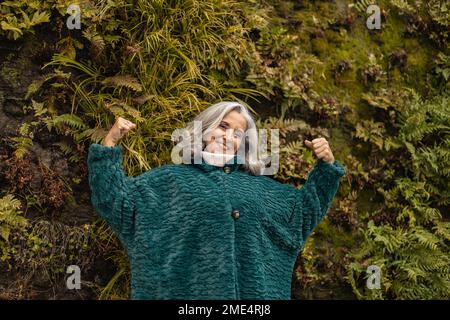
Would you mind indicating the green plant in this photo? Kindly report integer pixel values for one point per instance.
(402, 5)
(117, 287)
(411, 242)
(414, 262)
(361, 6)
(11, 220)
(443, 66)
(14, 25)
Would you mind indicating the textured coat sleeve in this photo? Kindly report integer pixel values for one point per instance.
(112, 191)
(314, 198)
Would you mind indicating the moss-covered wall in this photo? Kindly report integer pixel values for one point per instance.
(309, 68)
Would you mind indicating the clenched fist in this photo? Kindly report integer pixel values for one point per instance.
(321, 149)
(117, 131)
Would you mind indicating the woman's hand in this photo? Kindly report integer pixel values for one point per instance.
(321, 149)
(118, 131)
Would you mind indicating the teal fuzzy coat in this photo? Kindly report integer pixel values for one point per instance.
(198, 231)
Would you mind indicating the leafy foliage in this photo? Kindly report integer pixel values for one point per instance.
(10, 220)
(378, 96)
(15, 26)
(412, 249)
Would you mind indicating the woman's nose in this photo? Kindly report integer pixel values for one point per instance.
(229, 134)
(229, 138)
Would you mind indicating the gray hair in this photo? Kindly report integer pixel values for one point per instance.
(210, 119)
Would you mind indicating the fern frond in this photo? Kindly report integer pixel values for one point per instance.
(127, 81)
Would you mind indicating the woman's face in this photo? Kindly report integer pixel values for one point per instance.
(228, 135)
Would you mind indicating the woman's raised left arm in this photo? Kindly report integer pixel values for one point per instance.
(314, 198)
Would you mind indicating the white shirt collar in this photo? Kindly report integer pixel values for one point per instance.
(216, 159)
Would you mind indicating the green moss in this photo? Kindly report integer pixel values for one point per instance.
(11, 74)
(390, 38)
(419, 61)
(320, 47)
(341, 142)
(356, 45)
(334, 37)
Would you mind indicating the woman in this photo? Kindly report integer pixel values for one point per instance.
(214, 229)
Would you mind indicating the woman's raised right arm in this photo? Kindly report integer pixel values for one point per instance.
(112, 192)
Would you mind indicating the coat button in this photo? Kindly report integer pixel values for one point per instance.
(235, 214)
(227, 169)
